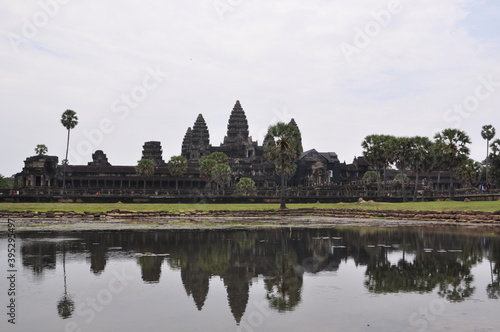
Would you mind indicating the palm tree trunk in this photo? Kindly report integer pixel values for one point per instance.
(64, 270)
(378, 180)
(65, 162)
(487, 164)
(416, 187)
(385, 178)
(452, 191)
(439, 181)
(282, 205)
(403, 191)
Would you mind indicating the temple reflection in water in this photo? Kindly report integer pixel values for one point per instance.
(395, 260)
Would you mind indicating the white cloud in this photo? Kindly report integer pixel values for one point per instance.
(272, 55)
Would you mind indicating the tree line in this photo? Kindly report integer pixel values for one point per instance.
(448, 151)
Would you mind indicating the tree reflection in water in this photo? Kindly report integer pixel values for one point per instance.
(395, 260)
(65, 306)
(493, 288)
(447, 271)
(284, 284)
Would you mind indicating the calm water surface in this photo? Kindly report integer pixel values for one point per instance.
(357, 279)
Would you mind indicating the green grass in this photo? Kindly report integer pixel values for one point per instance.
(104, 207)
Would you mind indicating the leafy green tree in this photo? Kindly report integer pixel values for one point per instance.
(246, 186)
(69, 120)
(403, 154)
(371, 177)
(401, 178)
(219, 157)
(177, 166)
(41, 149)
(488, 133)
(378, 150)
(494, 161)
(421, 158)
(452, 149)
(214, 167)
(145, 168)
(436, 163)
(6, 183)
(469, 173)
(221, 174)
(282, 146)
(206, 166)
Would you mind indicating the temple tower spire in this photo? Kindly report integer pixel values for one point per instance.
(186, 144)
(152, 150)
(237, 143)
(237, 127)
(197, 142)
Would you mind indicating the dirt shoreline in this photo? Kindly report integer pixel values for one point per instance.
(143, 220)
(425, 215)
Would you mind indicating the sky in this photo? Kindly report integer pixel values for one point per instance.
(143, 71)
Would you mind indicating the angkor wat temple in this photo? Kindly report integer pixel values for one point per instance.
(43, 174)
(318, 173)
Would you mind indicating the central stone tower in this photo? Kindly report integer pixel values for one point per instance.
(237, 143)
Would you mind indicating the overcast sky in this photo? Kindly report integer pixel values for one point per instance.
(136, 71)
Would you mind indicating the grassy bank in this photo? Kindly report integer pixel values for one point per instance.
(104, 207)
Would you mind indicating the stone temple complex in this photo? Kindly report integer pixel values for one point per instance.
(246, 158)
(317, 173)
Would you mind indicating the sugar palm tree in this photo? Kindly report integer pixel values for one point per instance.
(494, 161)
(469, 173)
(41, 149)
(487, 133)
(403, 150)
(421, 159)
(378, 150)
(282, 146)
(452, 147)
(145, 168)
(221, 174)
(215, 167)
(69, 120)
(177, 166)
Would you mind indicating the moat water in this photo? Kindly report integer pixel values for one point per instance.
(349, 279)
